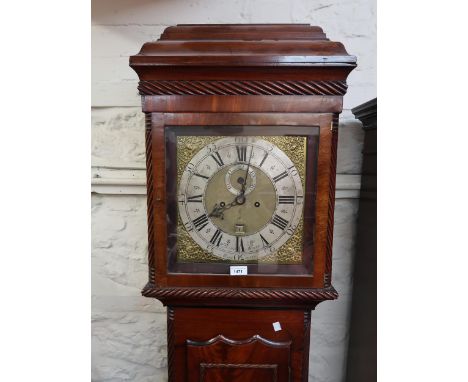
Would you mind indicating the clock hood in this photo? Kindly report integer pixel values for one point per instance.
(286, 52)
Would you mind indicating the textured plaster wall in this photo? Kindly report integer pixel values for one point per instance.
(129, 331)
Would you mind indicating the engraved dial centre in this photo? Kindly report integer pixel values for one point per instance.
(259, 190)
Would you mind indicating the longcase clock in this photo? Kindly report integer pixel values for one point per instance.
(241, 138)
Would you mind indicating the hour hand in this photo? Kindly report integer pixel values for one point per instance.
(217, 211)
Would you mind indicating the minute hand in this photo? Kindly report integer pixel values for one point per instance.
(246, 173)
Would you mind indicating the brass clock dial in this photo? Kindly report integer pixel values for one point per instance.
(240, 198)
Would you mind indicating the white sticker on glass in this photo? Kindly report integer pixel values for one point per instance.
(238, 270)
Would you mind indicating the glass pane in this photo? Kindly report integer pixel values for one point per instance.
(241, 195)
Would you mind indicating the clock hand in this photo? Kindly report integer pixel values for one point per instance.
(218, 210)
(244, 183)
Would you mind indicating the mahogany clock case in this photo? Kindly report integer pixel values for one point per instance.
(232, 80)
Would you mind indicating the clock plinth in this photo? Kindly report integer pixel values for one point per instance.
(241, 138)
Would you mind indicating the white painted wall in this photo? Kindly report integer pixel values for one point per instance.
(129, 331)
(120, 27)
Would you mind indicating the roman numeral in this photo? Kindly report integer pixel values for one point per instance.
(217, 158)
(201, 222)
(279, 222)
(263, 160)
(195, 199)
(216, 239)
(202, 176)
(239, 244)
(286, 199)
(277, 178)
(242, 153)
(264, 241)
